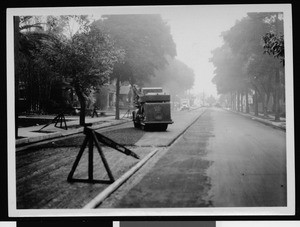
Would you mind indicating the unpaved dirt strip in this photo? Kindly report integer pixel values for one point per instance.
(42, 176)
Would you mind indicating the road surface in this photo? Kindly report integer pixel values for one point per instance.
(222, 160)
(42, 168)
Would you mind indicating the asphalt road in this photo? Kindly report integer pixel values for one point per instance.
(222, 160)
(42, 168)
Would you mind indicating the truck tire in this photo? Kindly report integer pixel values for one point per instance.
(162, 127)
(136, 125)
(146, 127)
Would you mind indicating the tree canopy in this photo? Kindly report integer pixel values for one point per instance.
(146, 40)
(70, 52)
(82, 58)
(274, 45)
(241, 65)
(176, 77)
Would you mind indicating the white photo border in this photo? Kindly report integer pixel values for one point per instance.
(257, 211)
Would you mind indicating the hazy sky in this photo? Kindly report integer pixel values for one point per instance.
(196, 32)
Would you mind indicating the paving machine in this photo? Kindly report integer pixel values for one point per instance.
(153, 109)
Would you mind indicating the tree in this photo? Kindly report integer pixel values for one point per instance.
(146, 40)
(176, 77)
(229, 73)
(260, 70)
(274, 45)
(29, 37)
(87, 59)
(211, 100)
(243, 42)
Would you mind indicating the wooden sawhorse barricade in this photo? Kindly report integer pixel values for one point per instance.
(92, 138)
(60, 118)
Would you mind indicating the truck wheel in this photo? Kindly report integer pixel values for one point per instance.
(163, 127)
(136, 125)
(146, 127)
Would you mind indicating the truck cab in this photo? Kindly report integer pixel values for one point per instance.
(153, 109)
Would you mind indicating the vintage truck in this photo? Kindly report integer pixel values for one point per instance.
(153, 109)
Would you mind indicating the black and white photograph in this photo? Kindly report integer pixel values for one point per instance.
(170, 110)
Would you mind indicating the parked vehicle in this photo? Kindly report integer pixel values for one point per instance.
(153, 109)
(184, 104)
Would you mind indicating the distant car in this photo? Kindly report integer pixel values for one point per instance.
(184, 107)
(218, 105)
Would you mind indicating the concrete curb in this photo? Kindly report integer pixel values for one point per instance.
(98, 125)
(110, 189)
(35, 139)
(263, 121)
(184, 130)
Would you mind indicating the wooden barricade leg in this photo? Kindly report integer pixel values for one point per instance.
(56, 119)
(65, 122)
(70, 176)
(111, 177)
(91, 158)
(61, 120)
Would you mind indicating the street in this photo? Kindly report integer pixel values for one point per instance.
(42, 168)
(222, 160)
(209, 157)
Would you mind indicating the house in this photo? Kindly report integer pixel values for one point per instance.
(106, 96)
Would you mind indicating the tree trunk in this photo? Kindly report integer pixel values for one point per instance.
(117, 98)
(256, 103)
(231, 100)
(16, 53)
(238, 101)
(241, 101)
(234, 101)
(81, 99)
(276, 101)
(266, 107)
(247, 101)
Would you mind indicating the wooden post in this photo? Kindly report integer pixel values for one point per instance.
(91, 157)
(70, 176)
(111, 177)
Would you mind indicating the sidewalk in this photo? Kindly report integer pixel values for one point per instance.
(33, 134)
(268, 121)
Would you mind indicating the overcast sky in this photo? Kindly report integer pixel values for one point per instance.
(196, 32)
